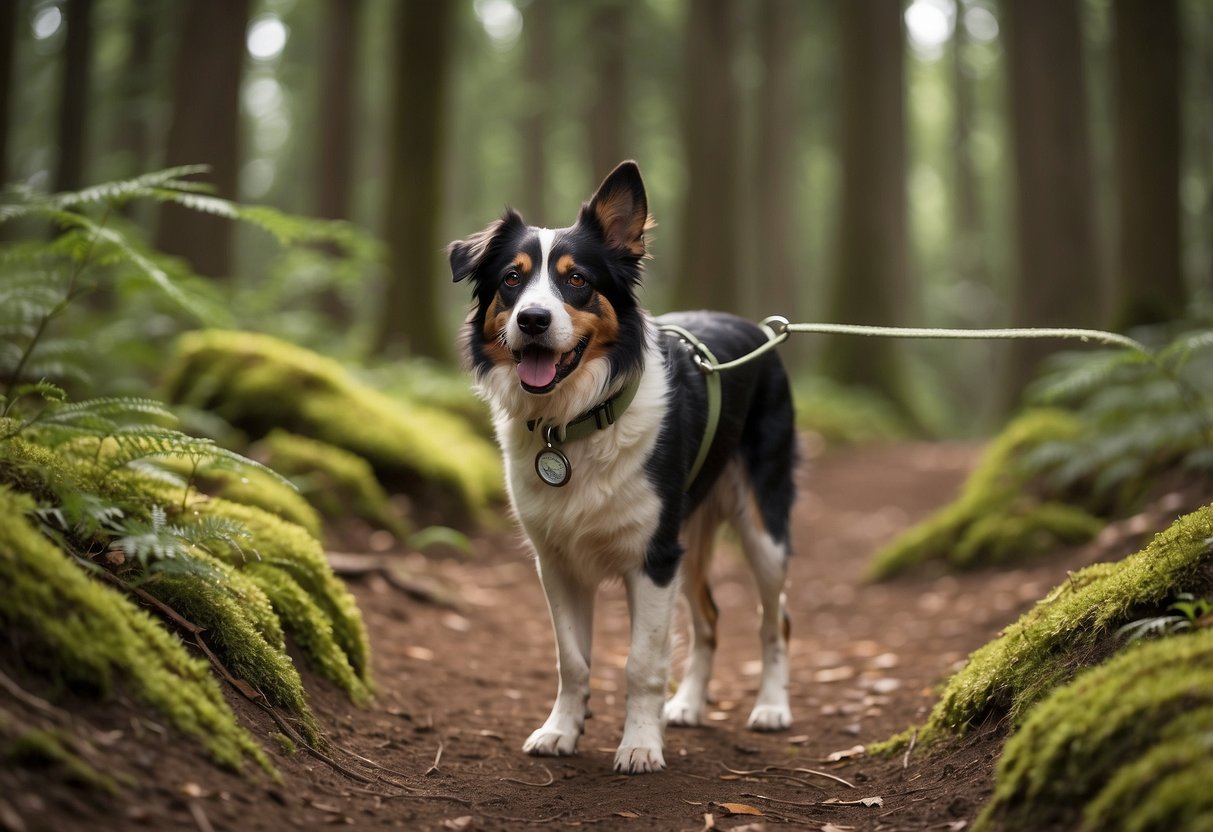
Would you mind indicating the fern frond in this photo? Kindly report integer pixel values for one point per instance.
(1185, 346)
(1075, 376)
(110, 193)
(109, 406)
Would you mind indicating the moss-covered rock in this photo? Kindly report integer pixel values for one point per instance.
(260, 383)
(88, 634)
(1125, 746)
(1057, 637)
(997, 516)
(333, 480)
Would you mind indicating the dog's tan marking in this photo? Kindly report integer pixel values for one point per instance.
(707, 605)
(523, 263)
(600, 323)
(494, 327)
(565, 265)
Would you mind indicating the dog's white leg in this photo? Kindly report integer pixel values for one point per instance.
(648, 671)
(769, 560)
(571, 604)
(689, 703)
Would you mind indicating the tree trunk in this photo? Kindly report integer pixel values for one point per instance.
(8, 40)
(1058, 283)
(410, 319)
(74, 97)
(608, 112)
(871, 284)
(537, 46)
(205, 128)
(337, 111)
(775, 209)
(1150, 285)
(707, 274)
(968, 243)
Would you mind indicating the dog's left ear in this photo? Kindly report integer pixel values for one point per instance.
(620, 210)
(467, 255)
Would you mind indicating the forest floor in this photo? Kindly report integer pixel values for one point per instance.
(460, 688)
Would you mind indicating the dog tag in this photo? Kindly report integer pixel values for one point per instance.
(551, 464)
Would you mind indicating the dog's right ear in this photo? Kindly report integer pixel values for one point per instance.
(467, 255)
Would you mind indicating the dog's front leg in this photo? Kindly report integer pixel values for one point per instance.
(648, 674)
(571, 604)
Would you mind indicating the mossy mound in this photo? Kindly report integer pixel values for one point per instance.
(1125, 746)
(88, 634)
(997, 516)
(336, 482)
(258, 383)
(1053, 640)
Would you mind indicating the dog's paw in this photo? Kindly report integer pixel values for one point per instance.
(638, 759)
(770, 718)
(551, 742)
(682, 713)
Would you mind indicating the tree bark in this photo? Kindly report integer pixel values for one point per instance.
(968, 244)
(608, 112)
(338, 97)
(871, 283)
(205, 128)
(74, 97)
(409, 318)
(1058, 282)
(1150, 285)
(8, 40)
(707, 274)
(537, 45)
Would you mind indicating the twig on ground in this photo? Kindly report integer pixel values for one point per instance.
(905, 761)
(535, 822)
(437, 759)
(378, 767)
(767, 769)
(199, 815)
(551, 779)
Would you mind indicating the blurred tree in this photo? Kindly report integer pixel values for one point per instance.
(606, 118)
(8, 38)
(1058, 281)
(537, 75)
(75, 97)
(709, 262)
(871, 281)
(338, 95)
(408, 317)
(774, 215)
(205, 127)
(131, 128)
(968, 248)
(1150, 285)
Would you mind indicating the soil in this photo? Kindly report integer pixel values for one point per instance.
(460, 688)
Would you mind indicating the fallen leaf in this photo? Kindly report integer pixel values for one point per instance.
(422, 654)
(834, 827)
(461, 822)
(627, 814)
(799, 739)
(869, 802)
(845, 754)
(740, 809)
(834, 674)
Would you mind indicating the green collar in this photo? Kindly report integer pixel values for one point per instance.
(599, 417)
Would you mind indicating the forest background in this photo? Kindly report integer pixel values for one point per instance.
(936, 162)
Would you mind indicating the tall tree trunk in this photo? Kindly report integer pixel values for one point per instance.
(1150, 285)
(537, 45)
(608, 112)
(205, 128)
(1058, 282)
(778, 116)
(74, 97)
(8, 40)
(871, 284)
(337, 111)
(968, 243)
(710, 249)
(409, 316)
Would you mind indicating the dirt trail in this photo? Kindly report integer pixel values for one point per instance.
(461, 689)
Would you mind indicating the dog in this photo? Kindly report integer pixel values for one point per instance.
(600, 415)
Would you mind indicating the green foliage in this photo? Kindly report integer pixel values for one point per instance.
(843, 415)
(1127, 745)
(1053, 476)
(1187, 612)
(259, 383)
(1062, 632)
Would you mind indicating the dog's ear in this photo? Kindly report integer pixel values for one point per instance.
(467, 255)
(620, 210)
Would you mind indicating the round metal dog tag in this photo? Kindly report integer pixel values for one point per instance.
(553, 467)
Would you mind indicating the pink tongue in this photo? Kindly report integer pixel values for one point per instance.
(537, 367)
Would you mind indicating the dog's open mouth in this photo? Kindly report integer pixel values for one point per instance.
(540, 369)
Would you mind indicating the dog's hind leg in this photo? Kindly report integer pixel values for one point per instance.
(769, 561)
(572, 607)
(689, 703)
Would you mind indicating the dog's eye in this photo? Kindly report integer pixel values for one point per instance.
(511, 278)
(576, 280)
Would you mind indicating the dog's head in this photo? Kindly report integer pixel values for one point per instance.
(556, 322)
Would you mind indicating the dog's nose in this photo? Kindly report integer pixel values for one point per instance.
(535, 320)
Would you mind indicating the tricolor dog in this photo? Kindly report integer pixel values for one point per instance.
(601, 414)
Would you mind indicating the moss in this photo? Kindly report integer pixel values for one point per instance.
(258, 383)
(1043, 648)
(333, 480)
(35, 748)
(1126, 744)
(89, 634)
(995, 518)
(286, 743)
